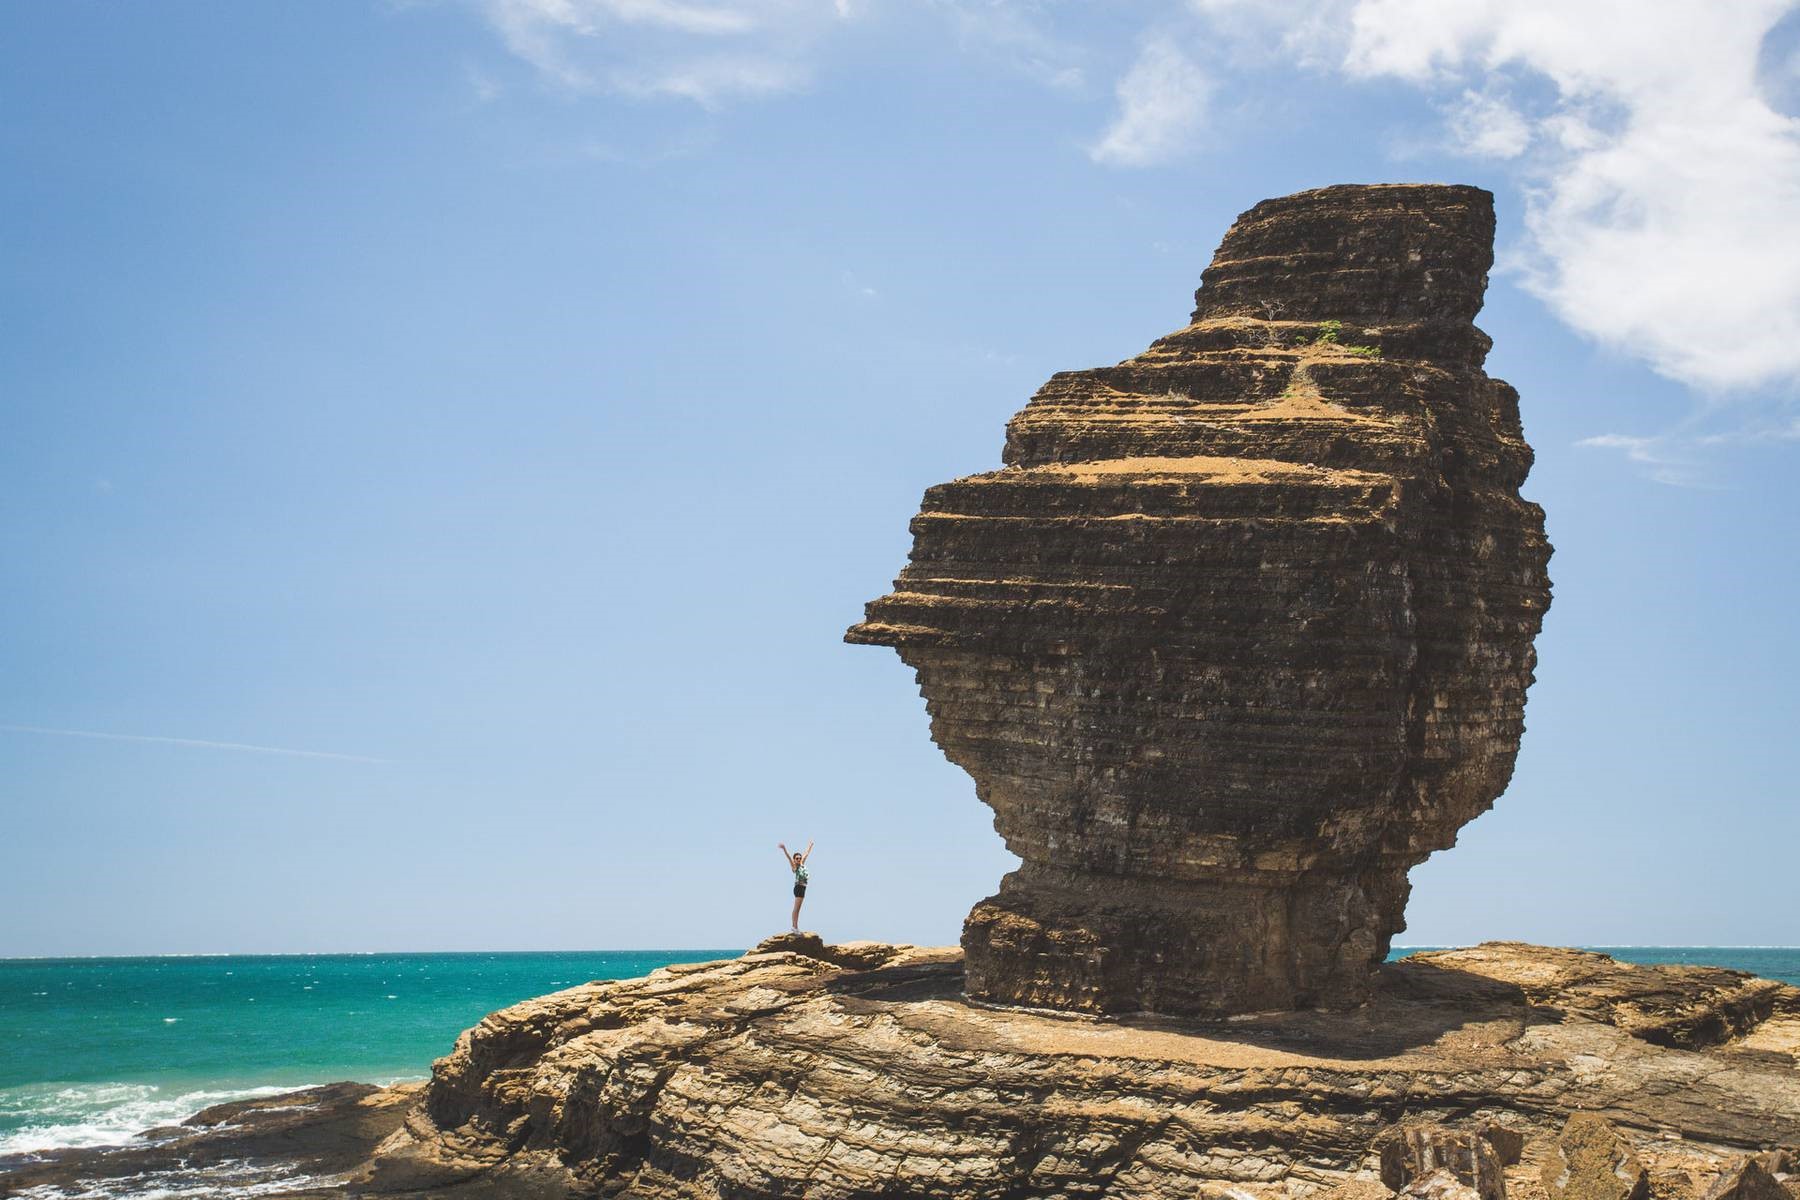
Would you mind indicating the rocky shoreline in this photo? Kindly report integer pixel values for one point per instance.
(296, 1145)
(805, 1069)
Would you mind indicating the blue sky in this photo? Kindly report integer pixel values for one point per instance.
(446, 441)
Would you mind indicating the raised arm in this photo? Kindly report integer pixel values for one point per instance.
(807, 855)
(787, 859)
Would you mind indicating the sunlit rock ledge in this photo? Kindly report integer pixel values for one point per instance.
(806, 1069)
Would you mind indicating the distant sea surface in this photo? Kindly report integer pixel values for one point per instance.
(93, 1050)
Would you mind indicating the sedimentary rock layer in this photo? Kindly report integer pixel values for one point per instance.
(862, 1071)
(1242, 631)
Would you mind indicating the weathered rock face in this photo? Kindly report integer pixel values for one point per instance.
(1592, 1162)
(1409, 1153)
(862, 1071)
(1242, 632)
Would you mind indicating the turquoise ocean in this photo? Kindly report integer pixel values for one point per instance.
(93, 1050)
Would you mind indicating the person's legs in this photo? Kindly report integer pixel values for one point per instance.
(794, 921)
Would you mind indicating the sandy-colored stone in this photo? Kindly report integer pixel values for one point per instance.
(1357, 1189)
(1440, 1184)
(835, 1081)
(1748, 1180)
(1781, 1161)
(1591, 1161)
(1508, 1142)
(1414, 1150)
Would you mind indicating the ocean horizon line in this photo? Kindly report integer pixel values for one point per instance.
(729, 950)
(1607, 945)
(43, 958)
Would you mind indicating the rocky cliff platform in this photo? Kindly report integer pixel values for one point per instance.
(804, 1069)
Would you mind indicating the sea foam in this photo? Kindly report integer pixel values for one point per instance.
(101, 1114)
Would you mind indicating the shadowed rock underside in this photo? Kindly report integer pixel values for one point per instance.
(1243, 630)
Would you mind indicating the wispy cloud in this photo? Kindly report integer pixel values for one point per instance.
(709, 80)
(730, 50)
(1162, 105)
(1661, 185)
(484, 87)
(1695, 452)
(1787, 431)
(1014, 35)
(707, 53)
(1487, 126)
(1661, 456)
(197, 743)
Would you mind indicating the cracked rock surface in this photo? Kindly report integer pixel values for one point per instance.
(803, 1069)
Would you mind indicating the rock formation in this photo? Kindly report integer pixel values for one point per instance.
(1471, 1157)
(1592, 1162)
(1242, 631)
(1748, 1181)
(803, 1069)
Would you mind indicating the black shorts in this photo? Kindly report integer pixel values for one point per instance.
(799, 890)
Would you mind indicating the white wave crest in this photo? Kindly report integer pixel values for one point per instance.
(232, 1179)
(53, 1116)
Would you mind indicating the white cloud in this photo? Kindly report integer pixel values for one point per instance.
(1162, 105)
(1485, 126)
(1639, 449)
(589, 16)
(1290, 34)
(1661, 183)
(689, 18)
(716, 51)
(1786, 431)
(1661, 211)
(704, 52)
(1660, 456)
(1685, 457)
(711, 79)
(1014, 34)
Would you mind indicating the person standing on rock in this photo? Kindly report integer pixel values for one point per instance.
(797, 861)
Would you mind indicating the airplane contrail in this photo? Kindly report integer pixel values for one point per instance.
(201, 743)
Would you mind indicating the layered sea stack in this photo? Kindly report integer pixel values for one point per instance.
(1243, 630)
